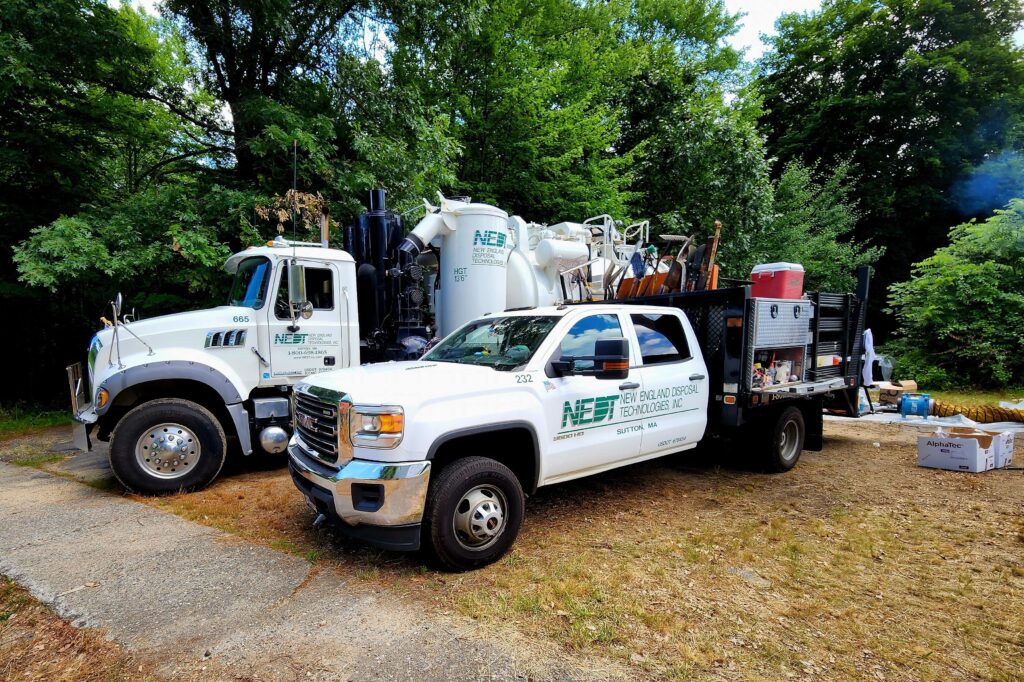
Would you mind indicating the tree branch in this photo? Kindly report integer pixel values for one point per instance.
(181, 157)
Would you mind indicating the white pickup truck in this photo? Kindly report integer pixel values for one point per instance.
(442, 451)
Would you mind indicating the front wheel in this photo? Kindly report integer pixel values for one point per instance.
(166, 446)
(473, 513)
(787, 440)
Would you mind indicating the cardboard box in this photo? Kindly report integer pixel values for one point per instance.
(889, 393)
(966, 450)
(1003, 444)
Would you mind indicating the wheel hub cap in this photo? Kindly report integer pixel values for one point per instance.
(168, 450)
(788, 441)
(480, 517)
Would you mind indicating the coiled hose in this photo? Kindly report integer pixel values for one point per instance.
(983, 414)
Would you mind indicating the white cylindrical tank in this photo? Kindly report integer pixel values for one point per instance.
(475, 245)
(522, 290)
(561, 254)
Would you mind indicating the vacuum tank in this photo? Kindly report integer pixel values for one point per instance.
(474, 241)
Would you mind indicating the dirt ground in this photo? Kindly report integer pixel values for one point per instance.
(855, 565)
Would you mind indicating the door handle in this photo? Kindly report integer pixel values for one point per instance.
(697, 377)
(628, 385)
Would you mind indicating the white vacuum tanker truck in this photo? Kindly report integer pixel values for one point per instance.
(172, 394)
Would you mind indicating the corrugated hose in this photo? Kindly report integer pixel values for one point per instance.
(983, 414)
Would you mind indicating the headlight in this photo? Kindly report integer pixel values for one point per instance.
(376, 426)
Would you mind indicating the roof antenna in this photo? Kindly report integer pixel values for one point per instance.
(295, 184)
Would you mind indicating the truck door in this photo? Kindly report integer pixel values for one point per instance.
(674, 399)
(584, 412)
(316, 344)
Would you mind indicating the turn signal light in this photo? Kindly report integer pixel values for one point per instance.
(729, 400)
(102, 396)
(391, 423)
(611, 365)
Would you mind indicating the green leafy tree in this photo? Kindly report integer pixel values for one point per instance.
(527, 92)
(812, 224)
(915, 93)
(961, 315)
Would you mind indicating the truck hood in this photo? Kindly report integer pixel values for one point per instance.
(408, 384)
(182, 329)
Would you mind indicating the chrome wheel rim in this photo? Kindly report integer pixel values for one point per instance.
(168, 451)
(789, 441)
(479, 518)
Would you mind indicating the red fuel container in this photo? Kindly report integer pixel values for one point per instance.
(778, 280)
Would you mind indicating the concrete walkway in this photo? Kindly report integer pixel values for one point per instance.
(197, 602)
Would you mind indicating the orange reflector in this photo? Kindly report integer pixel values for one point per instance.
(615, 364)
(102, 397)
(729, 400)
(391, 423)
(734, 322)
(755, 399)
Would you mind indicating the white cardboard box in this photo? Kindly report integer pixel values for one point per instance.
(1002, 443)
(974, 452)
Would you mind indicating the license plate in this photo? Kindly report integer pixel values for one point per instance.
(311, 504)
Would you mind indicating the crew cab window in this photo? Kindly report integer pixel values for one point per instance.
(319, 291)
(662, 338)
(580, 341)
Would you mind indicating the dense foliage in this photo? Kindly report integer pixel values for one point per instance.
(962, 312)
(917, 94)
(137, 151)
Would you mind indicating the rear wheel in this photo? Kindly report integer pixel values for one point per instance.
(167, 445)
(473, 513)
(787, 440)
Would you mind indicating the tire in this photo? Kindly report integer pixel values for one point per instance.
(149, 436)
(472, 494)
(787, 441)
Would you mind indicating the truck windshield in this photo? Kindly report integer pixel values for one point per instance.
(250, 286)
(503, 343)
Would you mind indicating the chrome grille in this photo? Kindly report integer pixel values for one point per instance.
(319, 415)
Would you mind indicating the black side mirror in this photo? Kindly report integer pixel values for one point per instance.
(610, 358)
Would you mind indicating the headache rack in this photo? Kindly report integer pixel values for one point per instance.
(727, 324)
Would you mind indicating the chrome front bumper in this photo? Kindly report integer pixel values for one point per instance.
(402, 488)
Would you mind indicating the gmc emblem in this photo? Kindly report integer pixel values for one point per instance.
(305, 421)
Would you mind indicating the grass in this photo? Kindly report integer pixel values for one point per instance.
(36, 644)
(977, 396)
(855, 565)
(18, 420)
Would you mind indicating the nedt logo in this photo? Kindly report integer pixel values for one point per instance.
(589, 410)
(289, 339)
(489, 238)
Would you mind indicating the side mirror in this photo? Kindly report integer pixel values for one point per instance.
(296, 284)
(118, 303)
(610, 358)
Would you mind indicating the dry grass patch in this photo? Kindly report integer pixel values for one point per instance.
(857, 564)
(37, 645)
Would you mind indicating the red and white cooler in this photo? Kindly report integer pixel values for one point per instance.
(778, 280)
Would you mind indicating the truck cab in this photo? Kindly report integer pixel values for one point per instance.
(442, 451)
(171, 393)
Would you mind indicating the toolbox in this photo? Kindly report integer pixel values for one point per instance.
(781, 322)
